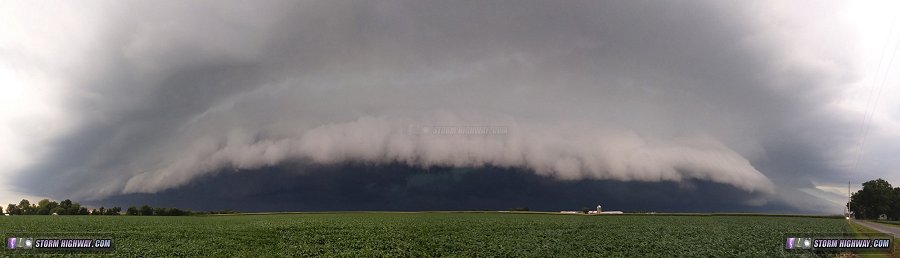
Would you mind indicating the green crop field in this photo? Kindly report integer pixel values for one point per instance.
(432, 234)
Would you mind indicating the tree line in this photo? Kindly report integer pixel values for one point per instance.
(876, 198)
(47, 207)
(67, 207)
(147, 210)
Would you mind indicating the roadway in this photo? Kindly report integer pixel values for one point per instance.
(894, 230)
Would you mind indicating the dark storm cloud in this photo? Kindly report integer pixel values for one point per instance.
(619, 91)
(293, 187)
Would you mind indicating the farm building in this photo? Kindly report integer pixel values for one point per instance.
(600, 211)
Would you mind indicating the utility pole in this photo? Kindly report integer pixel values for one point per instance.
(848, 199)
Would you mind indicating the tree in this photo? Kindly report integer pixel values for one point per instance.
(875, 198)
(43, 207)
(75, 209)
(178, 212)
(25, 207)
(52, 205)
(65, 206)
(13, 210)
(894, 212)
(146, 210)
(132, 211)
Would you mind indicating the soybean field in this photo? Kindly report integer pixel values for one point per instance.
(430, 234)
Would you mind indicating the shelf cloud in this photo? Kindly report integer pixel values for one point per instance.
(159, 95)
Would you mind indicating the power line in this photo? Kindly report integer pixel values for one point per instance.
(872, 105)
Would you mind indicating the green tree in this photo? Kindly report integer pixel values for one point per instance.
(64, 207)
(146, 210)
(13, 210)
(178, 212)
(25, 207)
(875, 198)
(132, 211)
(43, 207)
(75, 209)
(52, 205)
(895, 204)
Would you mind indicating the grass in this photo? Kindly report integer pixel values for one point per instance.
(858, 228)
(889, 222)
(433, 234)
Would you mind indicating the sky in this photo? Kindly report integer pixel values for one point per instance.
(758, 106)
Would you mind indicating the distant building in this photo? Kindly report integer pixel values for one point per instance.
(600, 211)
(596, 212)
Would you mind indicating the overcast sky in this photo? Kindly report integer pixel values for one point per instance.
(749, 106)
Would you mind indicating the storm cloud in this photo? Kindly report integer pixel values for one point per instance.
(355, 187)
(732, 97)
